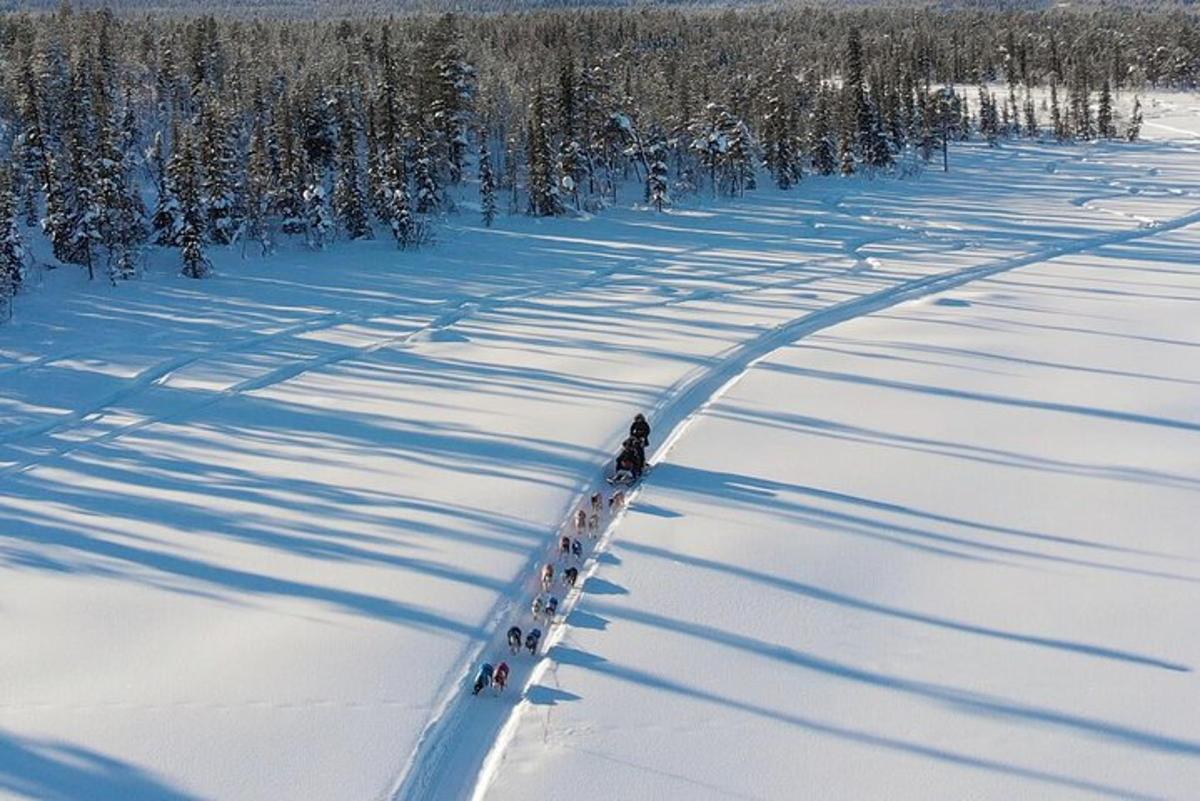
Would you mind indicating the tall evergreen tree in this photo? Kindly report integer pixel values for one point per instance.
(258, 190)
(821, 149)
(1104, 112)
(12, 250)
(221, 184)
(544, 199)
(185, 179)
(349, 203)
(487, 182)
(657, 194)
(1134, 129)
(319, 224)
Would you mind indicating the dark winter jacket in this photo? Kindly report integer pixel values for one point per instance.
(640, 429)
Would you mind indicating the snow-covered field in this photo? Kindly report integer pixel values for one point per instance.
(256, 532)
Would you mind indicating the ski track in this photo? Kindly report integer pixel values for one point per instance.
(462, 747)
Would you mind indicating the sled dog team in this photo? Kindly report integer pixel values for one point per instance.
(544, 607)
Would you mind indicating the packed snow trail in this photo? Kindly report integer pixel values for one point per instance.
(309, 537)
(464, 734)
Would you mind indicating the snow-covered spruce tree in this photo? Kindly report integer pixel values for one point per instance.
(1057, 121)
(1134, 129)
(741, 156)
(1082, 123)
(293, 175)
(185, 179)
(1031, 118)
(319, 224)
(445, 91)
(404, 227)
(989, 120)
(710, 140)
(425, 184)
(511, 165)
(930, 125)
(221, 169)
(544, 198)
(1104, 112)
(487, 182)
(34, 164)
(657, 194)
(820, 148)
(121, 224)
(778, 131)
(593, 115)
(574, 161)
(846, 150)
(12, 250)
(84, 215)
(876, 152)
(377, 192)
(572, 169)
(167, 222)
(258, 190)
(857, 114)
(349, 203)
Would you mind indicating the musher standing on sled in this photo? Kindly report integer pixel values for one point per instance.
(640, 430)
(633, 449)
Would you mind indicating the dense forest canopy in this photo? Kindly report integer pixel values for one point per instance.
(191, 131)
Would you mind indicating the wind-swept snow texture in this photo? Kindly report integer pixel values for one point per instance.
(257, 532)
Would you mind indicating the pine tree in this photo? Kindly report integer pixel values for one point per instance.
(258, 190)
(544, 200)
(221, 184)
(404, 227)
(12, 250)
(1057, 120)
(349, 203)
(34, 164)
(571, 169)
(1104, 112)
(656, 179)
(821, 151)
(447, 95)
(846, 151)
(185, 179)
(293, 173)
(487, 182)
(1134, 129)
(167, 222)
(319, 224)
(858, 117)
(511, 148)
(56, 224)
(778, 132)
(428, 194)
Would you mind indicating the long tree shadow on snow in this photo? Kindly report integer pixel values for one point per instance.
(828, 596)
(764, 493)
(48, 770)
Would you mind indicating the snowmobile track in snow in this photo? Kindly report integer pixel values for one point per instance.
(463, 744)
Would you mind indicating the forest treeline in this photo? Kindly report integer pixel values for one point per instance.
(119, 132)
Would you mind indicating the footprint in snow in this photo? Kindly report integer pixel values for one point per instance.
(956, 303)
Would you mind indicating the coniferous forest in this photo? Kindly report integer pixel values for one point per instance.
(124, 134)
